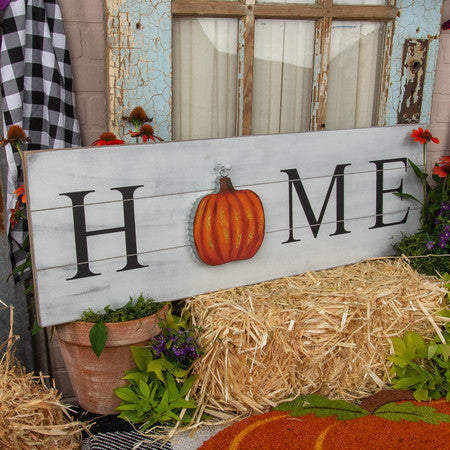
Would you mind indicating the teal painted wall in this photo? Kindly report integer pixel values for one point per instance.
(419, 19)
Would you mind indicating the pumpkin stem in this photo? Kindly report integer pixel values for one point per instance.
(226, 185)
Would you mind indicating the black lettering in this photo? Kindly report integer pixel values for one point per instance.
(380, 191)
(314, 223)
(81, 233)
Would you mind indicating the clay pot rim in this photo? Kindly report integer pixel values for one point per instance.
(78, 331)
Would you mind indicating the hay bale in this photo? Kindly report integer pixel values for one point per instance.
(325, 332)
(32, 415)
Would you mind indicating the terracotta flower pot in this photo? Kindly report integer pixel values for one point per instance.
(93, 379)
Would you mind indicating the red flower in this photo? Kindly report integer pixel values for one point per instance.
(107, 139)
(146, 132)
(443, 168)
(20, 191)
(16, 215)
(137, 117)
(423, 136)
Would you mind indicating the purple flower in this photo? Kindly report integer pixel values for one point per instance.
(429, 245)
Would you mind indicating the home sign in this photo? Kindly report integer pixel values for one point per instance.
(176, 219)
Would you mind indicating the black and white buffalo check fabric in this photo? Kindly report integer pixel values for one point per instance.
(37, 88)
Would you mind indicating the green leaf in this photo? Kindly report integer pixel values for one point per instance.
(406, 383)
(445, 351)
(136, 375)
(127, 394)
(411, 412)
(157, 366)
(142, 356)
(432, 351)
(322, 407)
(187, 385)
(417, 171)
(182, 403)
(398, 361)
(132, 416)
(98, 336)
(172, 388)
(127, 407)
(36, 328)
(143, 387)
(421, 395)
(415, 342)
(164, 404)
(408, 196)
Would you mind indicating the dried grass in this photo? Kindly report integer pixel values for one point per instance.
(325, 332)
(32, 415)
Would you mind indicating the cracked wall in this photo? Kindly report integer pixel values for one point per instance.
(139, 62)
(418, 19)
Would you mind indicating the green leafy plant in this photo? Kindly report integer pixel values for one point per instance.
(423, 367)
(342, 410)
(428, 248)
(134, 309)
(157, 391)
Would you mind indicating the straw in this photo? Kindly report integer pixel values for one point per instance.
(325, 332)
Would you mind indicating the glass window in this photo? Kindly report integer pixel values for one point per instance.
(282, 76)
(353, 75)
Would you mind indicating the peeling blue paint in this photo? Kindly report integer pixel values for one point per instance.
(419, 19)
(139, 34)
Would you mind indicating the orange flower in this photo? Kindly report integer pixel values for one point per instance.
(107, 139)
(422, 136)
(146, 132)
(137, 117)
(443, 167)
(15, 135)
(20, 191)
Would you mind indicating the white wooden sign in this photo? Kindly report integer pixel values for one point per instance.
(110, 222)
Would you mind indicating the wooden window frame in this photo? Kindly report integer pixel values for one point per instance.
(323, 13)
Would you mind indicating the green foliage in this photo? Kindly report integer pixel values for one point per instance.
(411, 412)
(425, 261)
(133, 310)
(423, 367)
(157, 391)
(324, 407)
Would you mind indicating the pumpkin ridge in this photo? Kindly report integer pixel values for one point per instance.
(203, 237)
(254, 242)
(237, 226)
(222, 231)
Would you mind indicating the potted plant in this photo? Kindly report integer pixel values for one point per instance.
(96, 349)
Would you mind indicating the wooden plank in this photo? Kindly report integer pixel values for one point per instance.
(338, 12)
(249, 48)
(203, 8)
(320, 81)
(336, 169)
(283, 11)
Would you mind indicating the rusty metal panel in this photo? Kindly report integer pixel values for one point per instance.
(412, 81)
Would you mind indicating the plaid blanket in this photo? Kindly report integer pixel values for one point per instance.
(37, 89)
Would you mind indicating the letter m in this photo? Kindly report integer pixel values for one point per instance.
(314, 222)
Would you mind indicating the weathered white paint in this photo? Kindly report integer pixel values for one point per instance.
(173, 177)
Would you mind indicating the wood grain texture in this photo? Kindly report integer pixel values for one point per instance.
(173, 177)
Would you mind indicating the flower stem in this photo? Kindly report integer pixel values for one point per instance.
(424, 186)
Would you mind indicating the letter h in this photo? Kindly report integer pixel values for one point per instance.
(81, 233)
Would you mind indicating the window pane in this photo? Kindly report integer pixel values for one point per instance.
(204, 78)
(282, 76)
(354, 73)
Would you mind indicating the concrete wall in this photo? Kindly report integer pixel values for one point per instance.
(84, 26)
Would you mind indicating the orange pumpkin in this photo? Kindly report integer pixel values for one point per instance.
(228, 225)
